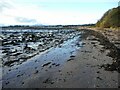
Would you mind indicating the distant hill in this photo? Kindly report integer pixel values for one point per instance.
(110, 19)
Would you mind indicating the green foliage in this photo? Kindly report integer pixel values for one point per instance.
(110, 19)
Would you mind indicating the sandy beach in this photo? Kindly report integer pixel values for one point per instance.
(88, 60)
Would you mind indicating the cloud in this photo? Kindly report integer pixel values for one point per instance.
(5, 4)
(30, 12)
(25, 20)
(16, 14)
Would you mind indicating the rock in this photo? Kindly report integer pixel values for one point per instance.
(53, 64)
(69, 59)
(83, 43)
(8, 63)
(35, 67)
(93, 42)
(99, 78)
(48, 81)
(7, 82)
(72, 56)
(46, 64)
(98, 71)
(57, 65)
(22, 82)
(36, 72)
(18, 75)
(59, 70)
(64, 80)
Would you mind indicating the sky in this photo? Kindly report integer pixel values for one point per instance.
(53, 12)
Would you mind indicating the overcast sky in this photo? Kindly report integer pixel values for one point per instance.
(53, 12)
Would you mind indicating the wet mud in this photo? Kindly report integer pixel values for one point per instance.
(17, 47)
(114, 51)
(57, 58)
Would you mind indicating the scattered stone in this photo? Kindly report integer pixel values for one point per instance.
(22, 82)
(7, 82)
(35, 67)
(46, 70)
(64, 80)
(111, 67)
(8, 63)
(59, 70)
(102, 50)
(93, 42)
(60, 79)
(99, 78)
(97, 86)
(72, 56)
(46, 64)
(53, 64)
(36, 72)
(83, 43)
(57, 65)
(94, 57)
(18, 75)
(16, 54)
(98, 71)
(69, 59)
(50, 66)
(48, 81)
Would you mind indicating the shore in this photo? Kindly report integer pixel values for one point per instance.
(85, 67)
(112, 34)
(113, 37)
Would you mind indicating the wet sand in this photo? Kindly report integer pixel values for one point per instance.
(77, 63)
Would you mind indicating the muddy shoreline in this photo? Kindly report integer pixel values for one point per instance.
(112, 41)
(88, 59)
(110, 37)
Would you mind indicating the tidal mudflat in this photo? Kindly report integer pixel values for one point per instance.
(57, 59)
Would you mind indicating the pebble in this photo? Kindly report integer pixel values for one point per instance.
(36, 72)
